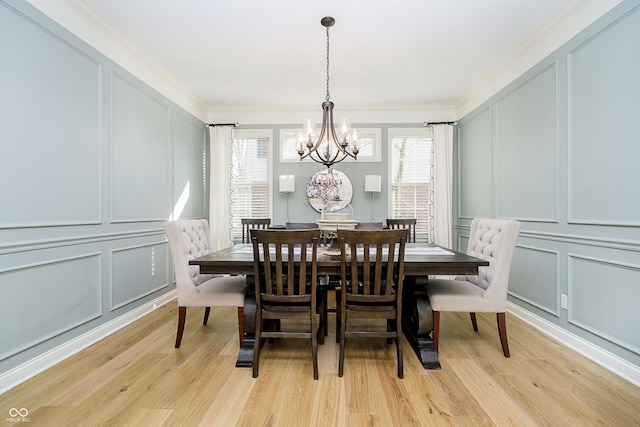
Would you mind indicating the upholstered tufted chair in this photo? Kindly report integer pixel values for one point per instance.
(189, 239)
(493, 240)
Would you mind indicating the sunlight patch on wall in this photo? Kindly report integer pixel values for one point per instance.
(181, 203)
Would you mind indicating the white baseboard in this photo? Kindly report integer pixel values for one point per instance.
(33, 367)
(606, 359)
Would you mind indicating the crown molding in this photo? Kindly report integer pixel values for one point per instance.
(77, 18)
(396, 113)
(566, 24)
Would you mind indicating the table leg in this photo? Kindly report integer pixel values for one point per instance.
(245, 355)
(417, 321)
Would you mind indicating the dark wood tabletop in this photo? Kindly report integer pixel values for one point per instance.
(421, 259)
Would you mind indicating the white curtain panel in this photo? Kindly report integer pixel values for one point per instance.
(443, 184)
(220, 138)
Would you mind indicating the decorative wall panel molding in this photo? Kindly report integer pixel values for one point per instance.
(41, 300)
(526, 143)
(189, 169)
(45, 148)
(535, 276)
(603, 98)
(141, 155)
(138, 271)
(611, 289)
(475, 166)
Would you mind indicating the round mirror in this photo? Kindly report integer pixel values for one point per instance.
(329, 185)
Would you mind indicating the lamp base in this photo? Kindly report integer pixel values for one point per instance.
(372, 203)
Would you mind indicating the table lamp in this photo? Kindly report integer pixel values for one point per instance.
(372, 184)
(287, 185)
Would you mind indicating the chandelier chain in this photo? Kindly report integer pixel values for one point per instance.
(327, 64)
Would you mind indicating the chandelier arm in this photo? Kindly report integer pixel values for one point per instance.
(323, 129)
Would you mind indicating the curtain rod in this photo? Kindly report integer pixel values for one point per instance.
(235, 125)
(439, 123)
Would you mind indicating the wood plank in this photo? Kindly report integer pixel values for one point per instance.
(496, 402)
(136, 377)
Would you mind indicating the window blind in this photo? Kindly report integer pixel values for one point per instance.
(411, 181)
(249, 181)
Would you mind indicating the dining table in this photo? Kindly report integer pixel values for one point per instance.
(422, 260)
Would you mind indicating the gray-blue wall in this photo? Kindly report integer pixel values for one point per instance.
(559, 149)
(92, 162)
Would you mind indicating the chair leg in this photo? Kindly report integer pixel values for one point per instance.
(343, 329)
(398, 330)
(341, 356)
(338, 315)
(474, 323)
(207, 310)
(502, 330)
(322, 312)
(256, 345)
(436, 329)
(241, 323)
(182, 315)
(315, 329)
(323, 309)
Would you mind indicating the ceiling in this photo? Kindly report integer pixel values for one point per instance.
(252, 53)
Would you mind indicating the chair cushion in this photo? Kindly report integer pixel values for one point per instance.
(223, 291)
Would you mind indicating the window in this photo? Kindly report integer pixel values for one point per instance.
(368, 146)
(411, 173)
(250, 190)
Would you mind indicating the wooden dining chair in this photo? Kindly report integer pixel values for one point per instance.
(325, 282)
(401, 223)
(371, 288)
(285, 271)
(250, 223)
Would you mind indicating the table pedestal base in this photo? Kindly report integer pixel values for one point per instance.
(417, 322)
(417, 319)
(245, 355)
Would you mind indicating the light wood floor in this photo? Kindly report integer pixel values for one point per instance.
(135, 377)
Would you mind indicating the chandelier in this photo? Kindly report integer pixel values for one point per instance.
(329, 146)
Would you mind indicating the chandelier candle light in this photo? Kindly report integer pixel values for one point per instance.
(330, 146)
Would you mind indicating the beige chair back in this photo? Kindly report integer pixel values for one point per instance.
(188, 239)
(493, 240)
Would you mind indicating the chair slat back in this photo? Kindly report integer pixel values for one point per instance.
(249, 224)
(379, 270)
(285, 263)
(404, 223)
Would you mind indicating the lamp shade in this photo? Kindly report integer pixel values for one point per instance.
(372, 183)
(287, 183)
